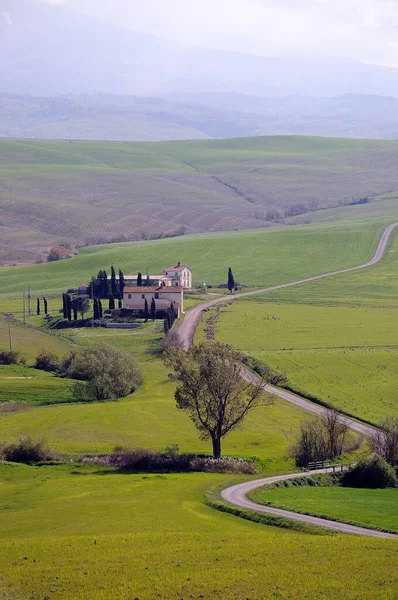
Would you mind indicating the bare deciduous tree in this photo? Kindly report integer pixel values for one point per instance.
(211, 389)
(320, 439)
(336, 431)
(385, 441)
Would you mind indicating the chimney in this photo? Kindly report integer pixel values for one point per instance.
(178, 264)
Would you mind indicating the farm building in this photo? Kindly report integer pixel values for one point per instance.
(164, 296)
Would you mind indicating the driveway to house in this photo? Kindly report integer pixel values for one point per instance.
(237, 495)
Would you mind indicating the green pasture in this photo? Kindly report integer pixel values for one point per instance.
(364, 507)
(343, 355)
(79, 532)
(258, 258)
(33, 387)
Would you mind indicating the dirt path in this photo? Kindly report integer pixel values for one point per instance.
(237, 495)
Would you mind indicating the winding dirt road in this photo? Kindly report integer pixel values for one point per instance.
(237, 494)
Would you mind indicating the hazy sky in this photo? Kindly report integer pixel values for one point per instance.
(360, 29)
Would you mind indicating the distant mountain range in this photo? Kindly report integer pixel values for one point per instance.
(50, 50)
(195, 116)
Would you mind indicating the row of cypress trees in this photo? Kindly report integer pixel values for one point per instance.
(100, 287)
(38, 308)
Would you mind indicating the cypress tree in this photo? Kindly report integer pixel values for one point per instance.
(68, 303)
(64, 306)
(231, 280)
(75, 316)
(166, 326)
(139, 279)
(95, 308)
(146, 311)
(45, 306)
(120, 302)
(111, 302)
(153, 309)
(121, 283)
(38, 307)
(100, 312)
(113, 281)
(105, 288)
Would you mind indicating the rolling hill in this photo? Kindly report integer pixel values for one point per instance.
(93, 192)
(195, 116)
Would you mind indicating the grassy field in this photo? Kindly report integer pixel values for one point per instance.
(369, 508)
(52, 190)
(151, 536)
(258, 258)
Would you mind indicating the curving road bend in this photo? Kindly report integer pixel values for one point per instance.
(237, 495)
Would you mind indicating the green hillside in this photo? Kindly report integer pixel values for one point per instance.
(258, 258)
(99, 191)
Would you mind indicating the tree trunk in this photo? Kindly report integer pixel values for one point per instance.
(216, 447)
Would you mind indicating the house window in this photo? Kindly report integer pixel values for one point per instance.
(129, 296)
(156, 295)
(143, 296)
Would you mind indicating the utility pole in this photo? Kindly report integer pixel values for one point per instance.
(24, 307)
(29, 307)
(9, 317)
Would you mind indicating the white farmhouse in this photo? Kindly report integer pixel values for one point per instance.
(179, 275)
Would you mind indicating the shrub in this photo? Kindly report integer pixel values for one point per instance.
(110, 373)
(373, 473)
(58, 253)
(223, 465)
(47, 361)
(26, 450)
(8, 357)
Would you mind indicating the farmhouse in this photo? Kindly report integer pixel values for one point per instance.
(164, 296)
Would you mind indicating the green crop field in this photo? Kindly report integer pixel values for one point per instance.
(364, 507)
(78, 532)
(79, 191)
(258, 258)
(343, 355)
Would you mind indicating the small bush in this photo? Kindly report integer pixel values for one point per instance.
(373, 473)
(223, 465)
(47, 361)
(26, 450)
(8, 357)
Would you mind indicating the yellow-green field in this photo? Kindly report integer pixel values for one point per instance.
(77, 532)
